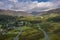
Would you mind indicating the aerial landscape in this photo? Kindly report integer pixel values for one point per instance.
(29, 19)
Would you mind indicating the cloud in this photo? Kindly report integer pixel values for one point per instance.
(29, 5)
(13, 0)
(1, 4)
(32, 6)
(55, 2)
(41, 6)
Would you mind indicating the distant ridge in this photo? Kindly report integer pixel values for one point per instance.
(55, 11)
(47, 12)
(23, 13)
(14, 13)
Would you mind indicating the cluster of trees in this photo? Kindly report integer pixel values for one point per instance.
(7, 22)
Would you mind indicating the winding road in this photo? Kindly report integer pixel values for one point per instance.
(20, 32)
(45, 34)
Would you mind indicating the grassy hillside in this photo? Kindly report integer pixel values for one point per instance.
(10, 27)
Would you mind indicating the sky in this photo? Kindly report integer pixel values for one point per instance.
(29, 5)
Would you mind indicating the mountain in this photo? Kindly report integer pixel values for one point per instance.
(23, 13)
(47, 12)
(54, 10)
(14, 13)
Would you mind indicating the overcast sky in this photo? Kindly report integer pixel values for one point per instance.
(29, 5)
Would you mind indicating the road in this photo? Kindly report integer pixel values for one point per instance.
(20, 32)
(45, 34)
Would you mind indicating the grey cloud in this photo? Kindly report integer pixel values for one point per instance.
(30, 6)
